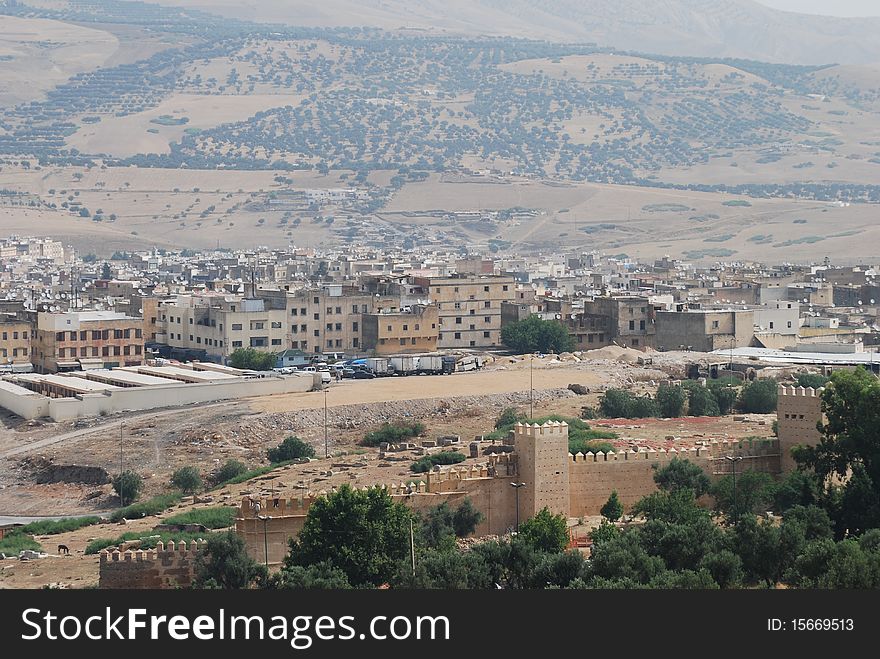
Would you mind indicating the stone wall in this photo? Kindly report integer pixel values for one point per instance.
(267, 539)
(798, 411)
(166, 566)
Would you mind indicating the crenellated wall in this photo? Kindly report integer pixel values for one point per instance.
(166, 566)
(267, 539)
(798, 411)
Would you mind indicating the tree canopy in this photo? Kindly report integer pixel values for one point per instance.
(536, 335)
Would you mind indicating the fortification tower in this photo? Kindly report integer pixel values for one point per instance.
(543, 465)
(798, 411)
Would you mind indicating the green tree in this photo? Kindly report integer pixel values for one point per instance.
(465, 519)
(128, 486)
(545, 532)
(252, 360)
(725, 396)
(799, 488)
(814, 380)
(679, 474)
(613, 509)
(510, 416)
(224, 564)
(230, 469)
(363, 533)
(292, 448)
(536, 335)
(187, 479)
(106, 272)
(754, 492)
(701, 401)
(616, 404)
(671, 399)
(320, 576)
(759, 397)
(725, 567)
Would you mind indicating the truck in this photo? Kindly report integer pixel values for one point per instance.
(404, 365)
(377, 365)
(470, 363)
(436, 364)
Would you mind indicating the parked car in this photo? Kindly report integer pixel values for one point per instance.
(326, 378)
(363, 375)
(348, 372)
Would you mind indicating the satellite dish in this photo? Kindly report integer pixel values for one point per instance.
(859, 302)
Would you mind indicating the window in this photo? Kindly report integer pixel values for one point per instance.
(73, 336)
(105, 351)
(190, 321)
(329, 327)
(276, 325)
(138, 334)
(504, 288)
(382, 342)
(458, 321)
(117, 334)
(338, 327)
(94, 351)
(355, 343)
(354, 327)
(632, 324)
(190, 337)
(137, 350)
(303, 328)
(82, 336)
(405, 328)
(59, 336)
(96, 336)
(389, 328)
(258, 324)
(458, 305)
(293, 312)
(771, 324)
(116, 351)
(302, 311)
(338, 309)
(317, 333)
(417, 327)
(83, 352)
(487, 319)
(789, 324)
(485, 335)
(198, 339)
(354, 308)
(316, 300)
(403, 342)
(126, 350)
(276, 342)
(473, 311)
(5, 336)
(236, 344)
(456, 289)
(329, 343)
(236, 327)
(473, 343)
(715, 324)
(363, 308)
(457, 335)
(316, 316)
(105, 334)
(485, 289)
(641, 324)
(126, 334)
(293, 329)
(486, 304)
(329, 310)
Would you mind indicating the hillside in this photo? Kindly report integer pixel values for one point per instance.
(706, 28)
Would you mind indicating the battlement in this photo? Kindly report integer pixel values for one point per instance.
(535, 430)
(808, 392)
(166, 566)
(276, 507)
(659, 455)
(162, 552)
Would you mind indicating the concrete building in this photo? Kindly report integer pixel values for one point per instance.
(704, 330)
(79, 340)
(469, 308)
(625, 320)
(220, 324)
(15, 341)
(391, 333)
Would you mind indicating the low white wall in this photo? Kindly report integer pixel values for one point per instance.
(34, 405)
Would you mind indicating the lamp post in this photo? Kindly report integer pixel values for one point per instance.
(516, 487)
(326, 444)
(265, 519)
(733, 460)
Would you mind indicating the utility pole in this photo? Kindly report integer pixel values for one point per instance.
(531, 387)
(326, 444)
(516, 487)
(733, 461)
(412, 547)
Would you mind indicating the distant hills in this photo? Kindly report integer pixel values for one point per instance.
(710, 28)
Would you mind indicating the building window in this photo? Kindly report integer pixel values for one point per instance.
(487, 319)
(458, 321)
(82, 336)
(632, 324)
(138, 334)
(293, 329)
(641, 324)
(329, 327)
(485, 335)
(116, 351)
(354, 308)
(457, 335)
(354, 327)
(276, 325)
(258, 324)
(126, 350)
(405, 328)
(117, 334)
(504, 288)
(486, 304)
(96, 336)
(236, 344)
(417, 327)
(317, 333)
(276, 342)
(355, 343)
(302, 311)
(105, 351)
(316, 316)
(293, 312)
(715, 324)
(316, 300)
(137, 350)
(403, 342)
(329, 310)
(338, 327)
(236, 327)
(338, 309)
(73, 336)
(457, 305)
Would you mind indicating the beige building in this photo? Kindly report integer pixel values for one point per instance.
(79, 340)
(408, 331)
(705, 330)
(15, 341)
(798, 412)
(469, 308)
(220, 324)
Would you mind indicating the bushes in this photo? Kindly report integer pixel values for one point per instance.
(536, 335)
(148, 539)
(671, 400)
(16, 541)
(814, 380)
(581, 438)
(253, 473)
(545, 532)
(759, 397)
(252, 360)
(229, 470)
(427, 462)
(619, 403)
(219, 517)
(128, 486)
(53, 527)
(715, 399)
(291, 448)
(393, 433)
(152, 506)
(509, 417)
(187, 480)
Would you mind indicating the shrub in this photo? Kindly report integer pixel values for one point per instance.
(644, 407)
(427, 462)
(671, 400)
(576, 446)
(701, 402)
(219, 517)
(187, 480)
(229, 470)
(253, 360)
(253, 473)
(759, 397)
(291, 448)
(814, 380)
(152, 506)
(725, 397)
(616, 403)
(16, 541)
(128, 486)
(534, 334)
(545, 532)
(53, 527)
(393, 433)
(509, 417)
(465, 519)
(613, 509)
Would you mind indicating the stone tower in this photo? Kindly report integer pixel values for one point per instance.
(798, 410)
(543, 465)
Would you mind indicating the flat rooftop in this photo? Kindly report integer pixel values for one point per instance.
(121, 378)
(75, 384)
(789, 357)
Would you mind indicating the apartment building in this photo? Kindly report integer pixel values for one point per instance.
(80, 340)
(705, 330)
(15, 341)
(415, 330)
(469, 308)
(623, 320)
(220, 324)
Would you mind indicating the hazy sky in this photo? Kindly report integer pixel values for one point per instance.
(828, 7)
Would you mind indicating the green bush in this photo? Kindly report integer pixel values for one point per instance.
(545, 532)
(291, 448)
(154, 506)
(16, 541)
(426, 463)
(671, 400)
(53, 527)
(725, 396)
(536, 335)
(509, 417)
(252, 360)
(576, 446)
(219, 517)
(759, 397)
(253, 473)
(814, 380)
(230, 469)
(701, 401)
(128, 486)
(393, 433)
(187, 479)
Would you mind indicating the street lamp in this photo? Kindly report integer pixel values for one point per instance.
(733, 460)
(265, 519)
(516, 487)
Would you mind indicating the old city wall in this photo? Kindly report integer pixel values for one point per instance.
(798, 411)
(267, 539)
(166, 566)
